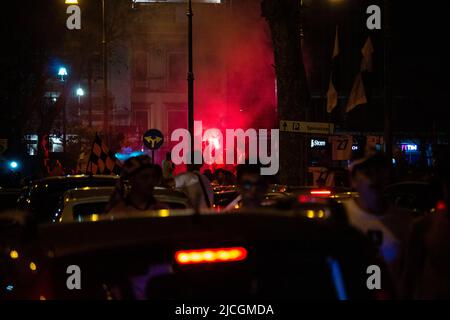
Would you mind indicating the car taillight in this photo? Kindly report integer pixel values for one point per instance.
(441, 206)
(320, 193)
(210, 255)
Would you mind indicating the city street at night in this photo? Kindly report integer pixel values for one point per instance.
(224, 158)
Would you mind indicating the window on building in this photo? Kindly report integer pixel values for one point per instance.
(140, 66)
(177, 71)
(141, 120)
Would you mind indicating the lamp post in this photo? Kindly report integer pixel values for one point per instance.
(190, 79)
(105, 74)
(80, 93)
(62, 72)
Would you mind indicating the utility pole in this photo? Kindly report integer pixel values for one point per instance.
(105, 74)
(190, 78)
(387, 84)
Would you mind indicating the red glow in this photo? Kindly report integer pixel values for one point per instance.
(210, 255)
(323, 193)
(441, 206)
(303, 199)
(235, 83)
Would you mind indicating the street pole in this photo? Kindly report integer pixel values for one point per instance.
(105, 75)
(387, 88)
(64, 118)
(190, 78)
(90, 94)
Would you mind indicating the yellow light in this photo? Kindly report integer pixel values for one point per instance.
(14, 254)
(183, 257)
(321, 214)
(94, 217)
(236, 206)
(208, 256)
(196, 257)
(310, 214)
(33, 266)
(164, 213)
(71, 1)
(211, 255)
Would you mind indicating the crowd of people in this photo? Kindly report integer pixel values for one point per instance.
(416, 251)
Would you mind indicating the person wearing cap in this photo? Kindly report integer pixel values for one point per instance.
(142, 176)
(386, 226)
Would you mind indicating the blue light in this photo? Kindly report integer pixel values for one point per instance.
(338, 280)
(13, 165)
(10, 287)
(126, 156)
(62, 72)
(80, 92)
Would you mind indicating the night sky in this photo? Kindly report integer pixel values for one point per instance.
(419, 70)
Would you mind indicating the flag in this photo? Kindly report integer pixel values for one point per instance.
(101, 160)
(367, 52)
(358, 93)
(332, 94)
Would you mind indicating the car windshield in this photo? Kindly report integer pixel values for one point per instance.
(45, 198)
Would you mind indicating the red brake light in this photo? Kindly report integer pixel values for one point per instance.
(210, 255)
(320, 192)
(441, 206)
(303, 199)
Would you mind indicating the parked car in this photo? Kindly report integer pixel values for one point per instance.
(418, 197)
(90, 202)
(8, 198)
(41, 197)
(250, 255)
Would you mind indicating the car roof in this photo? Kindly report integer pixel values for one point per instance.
(409, 183)
(205, 230)
(92, 192)
(61, 179)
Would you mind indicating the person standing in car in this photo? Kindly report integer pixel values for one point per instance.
(251, 185)
(168, 166)
(197, 187)
(142, 176)
(427, 263)
(387, 227)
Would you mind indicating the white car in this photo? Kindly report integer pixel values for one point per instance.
(89, 203)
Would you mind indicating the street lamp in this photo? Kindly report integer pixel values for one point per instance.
(62, 72)
(80, 93)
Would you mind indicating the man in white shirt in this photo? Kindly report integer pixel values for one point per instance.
(385, 226)
(197, 188)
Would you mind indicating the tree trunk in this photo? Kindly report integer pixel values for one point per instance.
(283, 17)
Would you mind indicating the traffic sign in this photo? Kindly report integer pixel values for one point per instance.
(153, 139)
(306, 127)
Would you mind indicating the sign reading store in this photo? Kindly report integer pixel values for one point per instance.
(318, 143)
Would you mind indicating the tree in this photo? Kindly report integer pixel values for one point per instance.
(283, 17)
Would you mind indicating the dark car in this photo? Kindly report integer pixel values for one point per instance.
(41, 197)
(8, 198)
(256, 255)
(418, 197)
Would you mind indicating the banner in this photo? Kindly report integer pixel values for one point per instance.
(341, 147)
